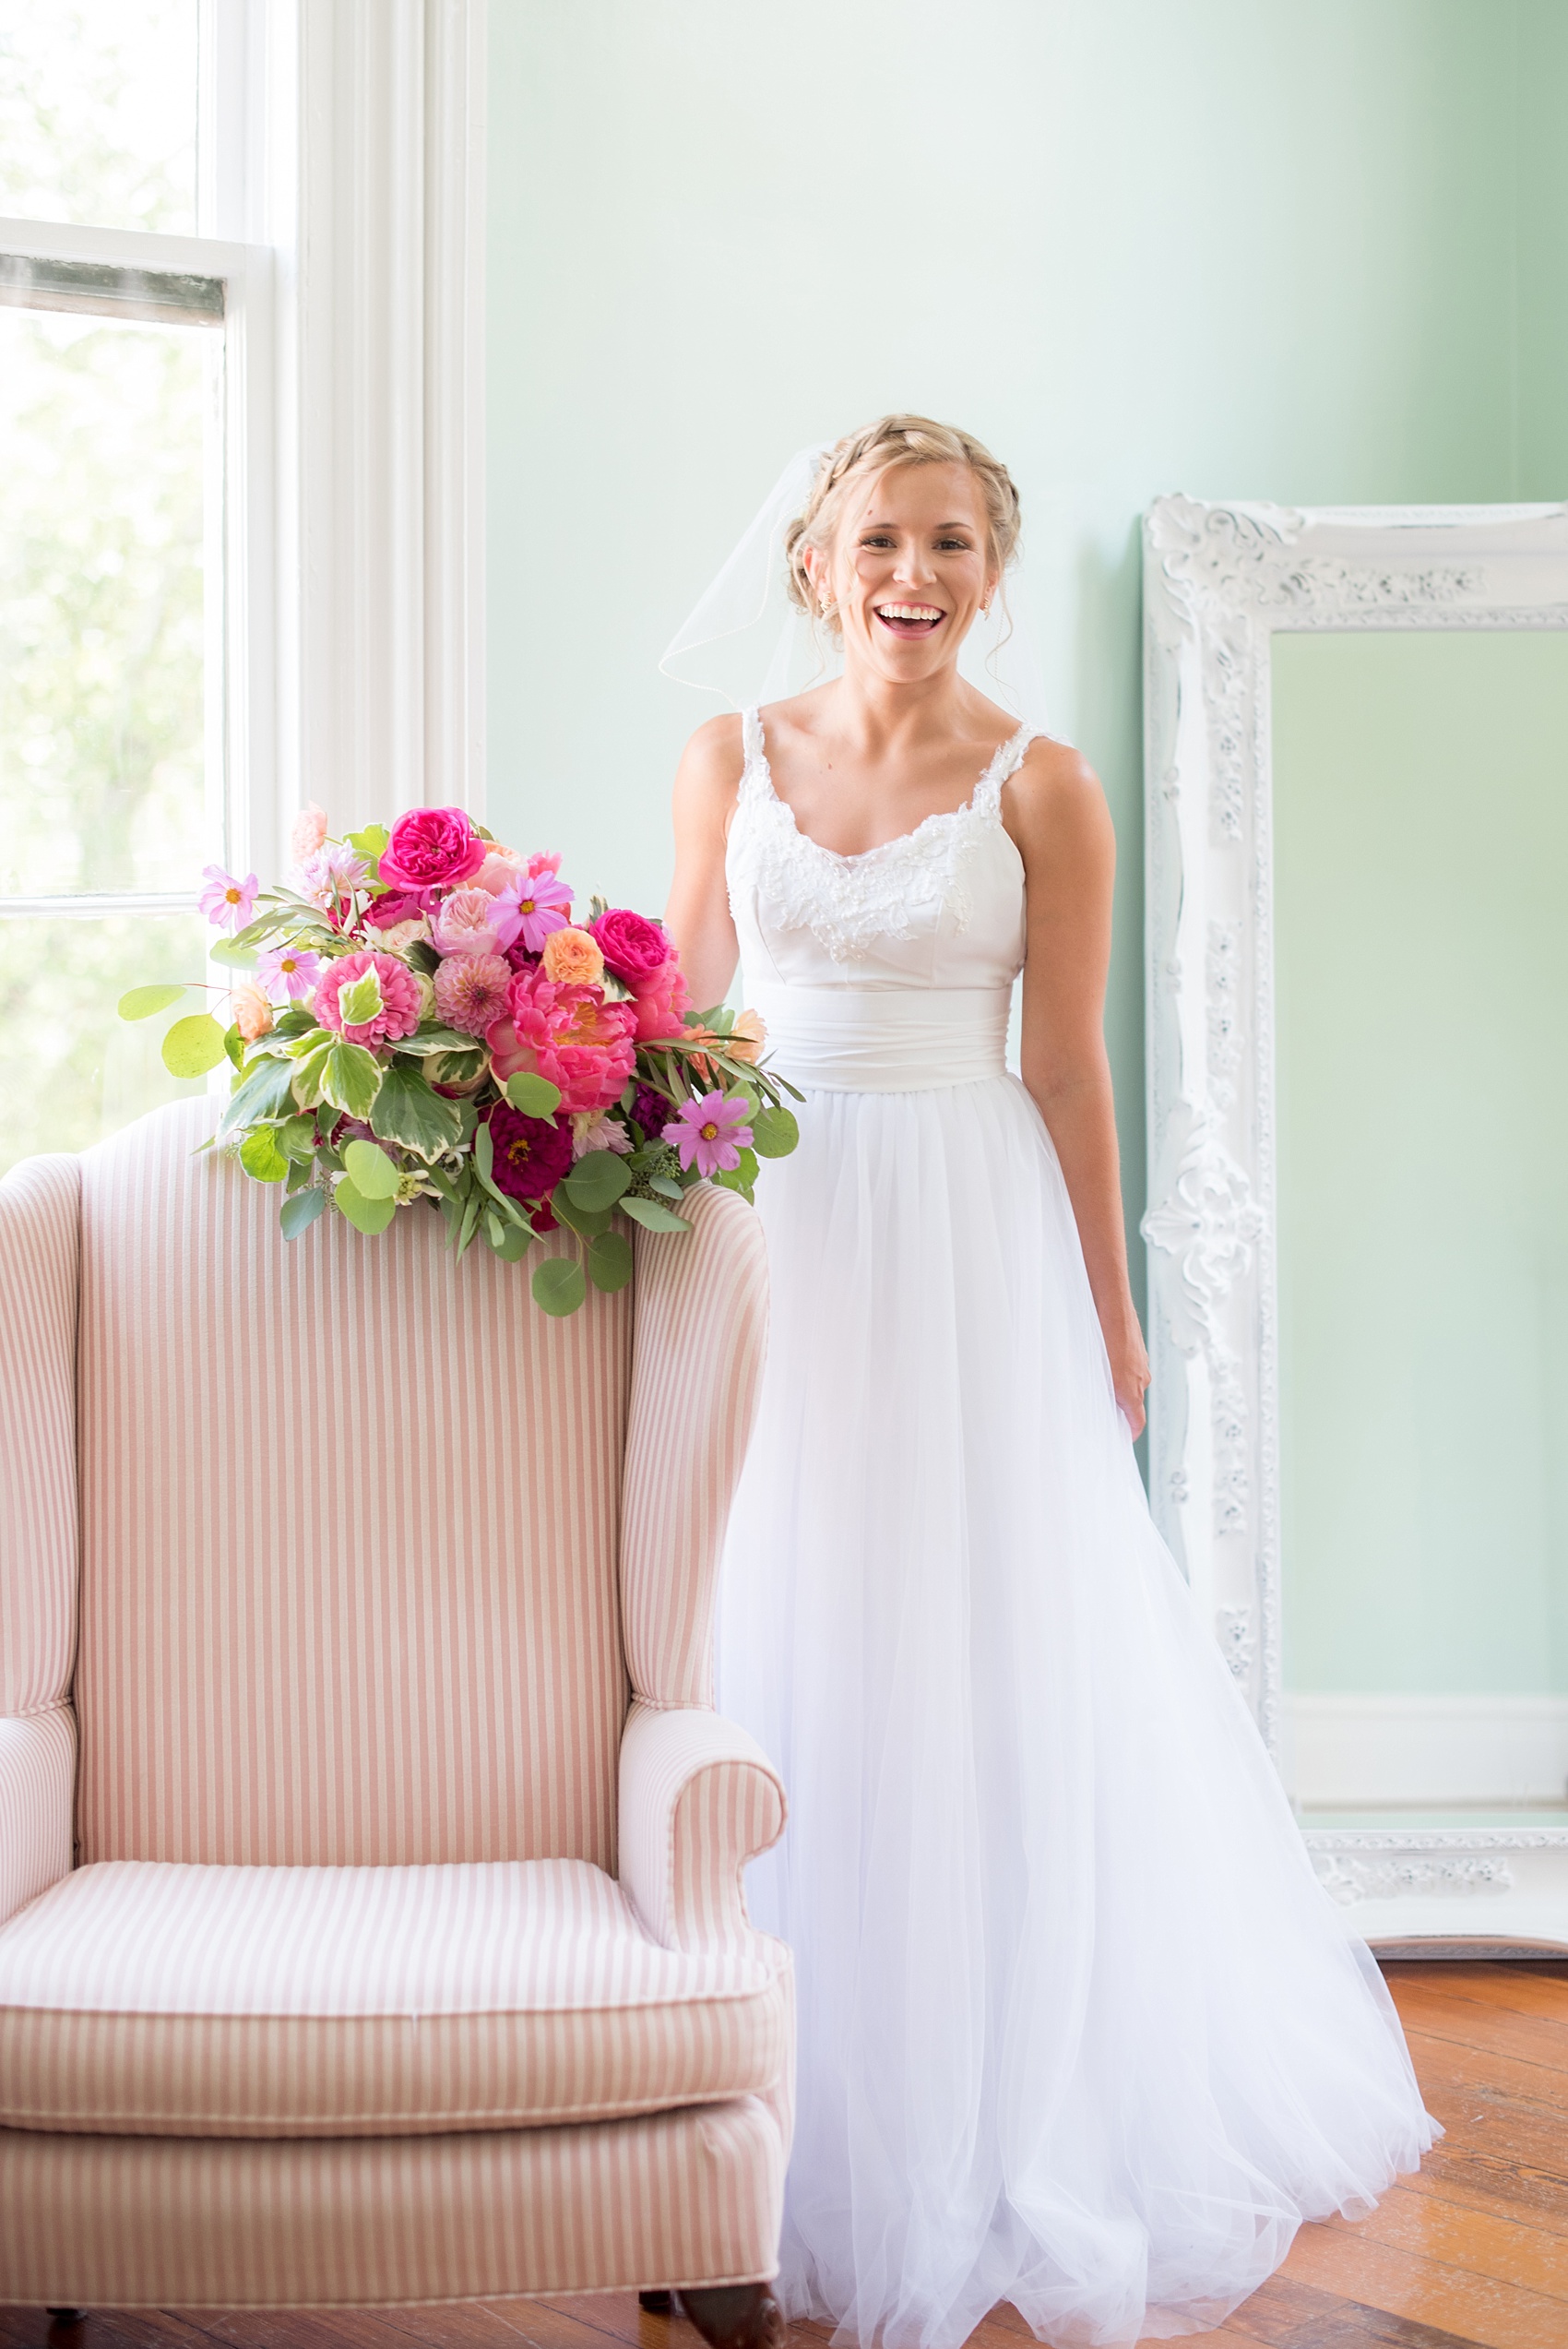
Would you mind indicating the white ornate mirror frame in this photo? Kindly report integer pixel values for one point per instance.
(1219, 581)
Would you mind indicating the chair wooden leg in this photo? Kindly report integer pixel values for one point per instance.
(737, 2316)
(656, 2304)
(64, 2315)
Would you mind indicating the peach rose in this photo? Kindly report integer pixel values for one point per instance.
(253, 1013)
(748, 1037)
(498, 872)
(309, 831)
(572, 959)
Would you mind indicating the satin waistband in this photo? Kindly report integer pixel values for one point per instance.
(884, 1040)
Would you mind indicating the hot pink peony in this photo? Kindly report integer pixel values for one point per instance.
(661, 1003)
(633, 947)
(399, 1012)
(431, 848)
(567, 1034)
(470, 990)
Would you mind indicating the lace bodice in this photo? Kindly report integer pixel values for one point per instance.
(941, 906)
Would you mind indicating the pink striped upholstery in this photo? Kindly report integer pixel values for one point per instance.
(698, 1800)
(38, 1432)
(38, 1767)
(701, 1333)
(350, 1529)
(152, 1999)
(687, 2197)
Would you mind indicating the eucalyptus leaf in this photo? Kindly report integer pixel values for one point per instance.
(351, 1078)
(235, 1045)
(597, 1180)
(193, 1047)
(664, 1186)
(301, 1211)
(370, 1170)
(558, 1285)
(365, 1214)
(513, 1245)
(775, 1132)
(261, 1158)
(533, 1096)
(265, 1091)
(232, 955)
(610, 1261)
(142, 1001)
(407, 1112)
(651, 1216)
(586, 1221)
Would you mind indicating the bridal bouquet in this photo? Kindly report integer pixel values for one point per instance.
(417, 1017)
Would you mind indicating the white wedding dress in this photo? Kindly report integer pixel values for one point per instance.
(1078, 2027)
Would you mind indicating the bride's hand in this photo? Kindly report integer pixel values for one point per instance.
(1128, 1369)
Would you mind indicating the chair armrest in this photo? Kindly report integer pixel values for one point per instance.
(38, 1770)
(40, 1246)
(698, 1800)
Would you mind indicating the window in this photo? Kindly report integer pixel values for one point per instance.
(133, 538)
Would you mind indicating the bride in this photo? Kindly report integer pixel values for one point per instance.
(1078, 2028)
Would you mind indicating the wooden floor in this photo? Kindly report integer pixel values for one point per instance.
(1474, 2249)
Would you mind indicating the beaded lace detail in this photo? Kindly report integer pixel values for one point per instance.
(848, 902)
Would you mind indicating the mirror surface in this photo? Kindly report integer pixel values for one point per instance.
(1420, 869)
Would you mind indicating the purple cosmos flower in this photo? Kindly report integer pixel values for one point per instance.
(226, 902)
(711, 1133)
(528, 909)
(292, 968)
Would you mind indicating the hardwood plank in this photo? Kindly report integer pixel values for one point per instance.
(1476, 2308)
(1508, 2249)
(1442, 2014)
(1287, 2314)
(1508, 1986)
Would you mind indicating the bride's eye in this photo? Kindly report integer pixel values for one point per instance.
(876, 539)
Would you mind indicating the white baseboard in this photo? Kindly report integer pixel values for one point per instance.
(1386, 1750)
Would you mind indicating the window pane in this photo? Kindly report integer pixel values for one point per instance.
(71, 1070)
(102, 780)
(98, 113)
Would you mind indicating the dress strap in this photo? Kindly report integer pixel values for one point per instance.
(1009, 757)
(755, 781)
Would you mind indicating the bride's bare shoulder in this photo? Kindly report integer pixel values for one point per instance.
(1053, 802)
(710, 767)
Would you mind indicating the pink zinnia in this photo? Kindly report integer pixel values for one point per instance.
(711, 1133)
(293, 968)
(568, 1034)
(470, 990)
(461, 923)
(529, 1154)
(528, 909)
(399, 1012)
(226, 902)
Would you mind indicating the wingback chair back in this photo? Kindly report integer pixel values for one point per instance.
(340, 1554)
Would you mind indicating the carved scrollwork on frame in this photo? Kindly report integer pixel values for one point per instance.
(1219, 581)
(1347, 1878)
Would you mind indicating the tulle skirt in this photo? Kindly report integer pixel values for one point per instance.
(1078, 2027)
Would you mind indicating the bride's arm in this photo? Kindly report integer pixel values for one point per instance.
(1057, 815)
(697, 916)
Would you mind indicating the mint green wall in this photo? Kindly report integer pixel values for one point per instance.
(1420, 810)
(1240, 247)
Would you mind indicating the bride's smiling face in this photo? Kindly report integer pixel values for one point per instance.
(909, 569)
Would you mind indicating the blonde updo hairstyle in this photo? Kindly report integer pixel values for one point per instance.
(894, 440)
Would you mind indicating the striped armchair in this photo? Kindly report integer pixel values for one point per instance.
(370, 1917)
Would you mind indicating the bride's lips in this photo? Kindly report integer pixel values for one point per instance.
(910, 620)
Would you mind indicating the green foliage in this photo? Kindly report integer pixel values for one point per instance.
(775, 1131)
(193, 1047)
(300, 1213)
(263, 1091)
(369, 1215)
(370, 1170)
(587, 1222)
(360, 1000)
(610, 1260)
(651, 1216)
(261, 1156)
(559, 1287)
(533, 1096)
(597, 1180)
(351, 1078)
(407, 1112)
(142, 1001)
(232, 955)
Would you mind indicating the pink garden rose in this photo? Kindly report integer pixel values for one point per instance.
(431, 848)
(569, 1035)
(399, 1012)
(633, 947)
(396, 906)
(661, 1003)
(461, 925)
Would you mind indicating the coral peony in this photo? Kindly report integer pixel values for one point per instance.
(572, 959)
(292, 968)
(661, 1002)
(431, 848)
(633, 947)
(567, 1034)
(309, 831)
(529, 1154)
(528, 910)
(397, 1013)
(461, 923)
(711, 1133)
(226, 901)
(253, 1013)
(470, 990)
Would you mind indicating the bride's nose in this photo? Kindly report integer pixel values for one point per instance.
(914, 565)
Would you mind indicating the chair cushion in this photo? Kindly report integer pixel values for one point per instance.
(148, 1997)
